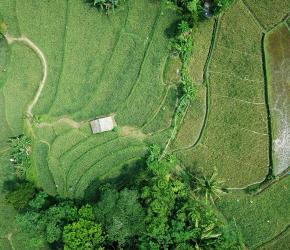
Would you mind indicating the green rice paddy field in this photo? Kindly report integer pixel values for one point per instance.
(120, 64)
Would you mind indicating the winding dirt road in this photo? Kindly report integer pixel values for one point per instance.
(37, 50)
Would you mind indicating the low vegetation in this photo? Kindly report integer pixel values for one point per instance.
(268, 12)
(261, 216)
(235, 78)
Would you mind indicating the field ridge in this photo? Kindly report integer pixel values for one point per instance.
(205, 83)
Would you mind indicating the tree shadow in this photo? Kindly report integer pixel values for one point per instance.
(130, 177)
(172, 30)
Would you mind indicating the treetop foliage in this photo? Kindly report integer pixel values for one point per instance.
(121, 214)
(175, 217)
(165, 213)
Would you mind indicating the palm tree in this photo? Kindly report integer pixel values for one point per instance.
(106, 4)
(209, 187)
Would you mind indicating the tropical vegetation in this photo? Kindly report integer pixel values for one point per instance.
(163, 213)
(170, 72)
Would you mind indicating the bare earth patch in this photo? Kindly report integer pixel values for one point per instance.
(132, 132)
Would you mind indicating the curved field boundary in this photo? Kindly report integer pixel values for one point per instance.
(78, 185)
(39, 53)
(206, 83)
(84, 153)
(147, 123)
(159, 109)
(85, 141)
(206, 77)
(79, 192)
(150, 38)
(104, 148)
(63, 54)
(284, 232)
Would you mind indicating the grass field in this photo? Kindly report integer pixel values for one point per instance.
(235, 140)
(4, 59)
(277, 46)
(262, 216)
(194, 119)
(280, 242)
(120, 64)
(268, 12)
(114, 65)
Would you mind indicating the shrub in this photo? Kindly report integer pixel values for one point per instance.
(20, 154)
(106, 4)
(21, 195)
(221, 5)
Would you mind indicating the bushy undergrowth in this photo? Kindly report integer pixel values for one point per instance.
(20, 154)
(182, 44)
(192, 12)
(221, 5)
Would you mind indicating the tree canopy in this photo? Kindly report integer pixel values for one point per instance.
(121, 214)
(175, 217)
(84, 233)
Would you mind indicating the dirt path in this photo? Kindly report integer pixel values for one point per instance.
(26, 41)
(66, 120)
(132, 132)
(39, 53)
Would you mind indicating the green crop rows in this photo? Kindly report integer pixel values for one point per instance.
(262, 216)
(237, 117)
(121, 65)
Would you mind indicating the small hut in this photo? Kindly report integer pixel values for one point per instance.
(103, 124)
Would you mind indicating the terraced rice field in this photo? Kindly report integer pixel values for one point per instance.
(235, 135)
(280, 242)
(113, 66)
(268, 12)
(261, 217)
(121, 65)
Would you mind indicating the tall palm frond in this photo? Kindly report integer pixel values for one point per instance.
(209, 187)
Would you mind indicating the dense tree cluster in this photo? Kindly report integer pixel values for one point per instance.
(176, 218)
(164, 213)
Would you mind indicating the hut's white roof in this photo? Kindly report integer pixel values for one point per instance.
(102, 124)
